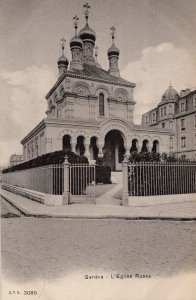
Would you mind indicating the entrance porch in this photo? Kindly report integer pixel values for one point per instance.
(114, 149)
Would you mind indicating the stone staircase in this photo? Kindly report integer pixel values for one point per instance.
(108, 198)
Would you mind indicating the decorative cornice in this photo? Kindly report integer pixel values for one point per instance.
(34, 131)
(112, 100)
(184, 114)
(167, 102)
(64, 75)
(132, 85)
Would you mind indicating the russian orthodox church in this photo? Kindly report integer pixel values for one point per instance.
(90, 110)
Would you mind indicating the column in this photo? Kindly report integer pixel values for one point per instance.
(125, 195)
(87, 152)
(139, 146)
(100, 147)
(86, 146)
(48, 145)
(127, 152)
(66, 192)
(149, 146)
(73, 144)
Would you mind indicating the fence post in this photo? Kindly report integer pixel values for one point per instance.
(125, 195)
(66, 192)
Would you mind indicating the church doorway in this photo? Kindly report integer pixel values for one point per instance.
(114, 149)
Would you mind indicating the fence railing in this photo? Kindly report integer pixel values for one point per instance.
(65, 179)
(158, 178)
(82, 180)
(48, 179)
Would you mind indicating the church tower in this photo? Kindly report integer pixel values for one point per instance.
(88, 37)
(62, 61)
(76, 46)
(113, 56)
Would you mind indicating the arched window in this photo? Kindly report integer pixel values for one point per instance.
(101, 104)
(155, 146)
(145, 145)
(67, 143)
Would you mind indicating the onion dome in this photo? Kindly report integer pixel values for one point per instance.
(170, 94)
(113, 56)
(113, 50)
(87, 34)
(76, 42)
(63, 61)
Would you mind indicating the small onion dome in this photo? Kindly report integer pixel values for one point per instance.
(113, 50)
(170, 94)
(62, 61)
(76, 42)
(87, 34)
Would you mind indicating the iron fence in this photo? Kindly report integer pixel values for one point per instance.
(47, 179)
(76, 179)
(160, 178)
(82, 181)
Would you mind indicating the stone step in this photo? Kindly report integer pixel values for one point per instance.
(108, 201)
(116, 177)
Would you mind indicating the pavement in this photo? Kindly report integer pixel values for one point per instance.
(182, 210)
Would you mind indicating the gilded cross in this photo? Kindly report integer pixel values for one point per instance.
(76, 19)
(87, 7)
(113, 29)
(63, 40)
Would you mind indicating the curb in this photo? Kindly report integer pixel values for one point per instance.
(90, 217)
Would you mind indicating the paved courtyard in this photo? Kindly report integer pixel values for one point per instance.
(41, 253)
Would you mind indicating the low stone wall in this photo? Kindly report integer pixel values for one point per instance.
(51, 200)
(160, 199)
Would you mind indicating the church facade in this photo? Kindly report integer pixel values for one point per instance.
(90, 110)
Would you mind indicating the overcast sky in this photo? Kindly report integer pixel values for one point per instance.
(156, 39)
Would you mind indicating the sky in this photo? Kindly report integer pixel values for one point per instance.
(157, 45)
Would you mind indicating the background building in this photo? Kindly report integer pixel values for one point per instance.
(16, 159)
(176, 112)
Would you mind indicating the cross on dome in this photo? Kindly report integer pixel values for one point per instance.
(87, 7)
(63, 40)
(113, 30)
(76, 19)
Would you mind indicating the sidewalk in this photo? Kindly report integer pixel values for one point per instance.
(176, 211)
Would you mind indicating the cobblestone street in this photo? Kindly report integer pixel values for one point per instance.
(33, 249)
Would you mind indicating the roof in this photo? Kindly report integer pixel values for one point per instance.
(92, 72)
(170, 94)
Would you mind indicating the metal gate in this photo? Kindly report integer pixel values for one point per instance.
(82, 183)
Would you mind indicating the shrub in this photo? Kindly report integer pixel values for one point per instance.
(156, 157)
(102, 171)
(142, 177)
(56, 157)
(144, 156)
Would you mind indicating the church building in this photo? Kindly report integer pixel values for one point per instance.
(90, 110)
